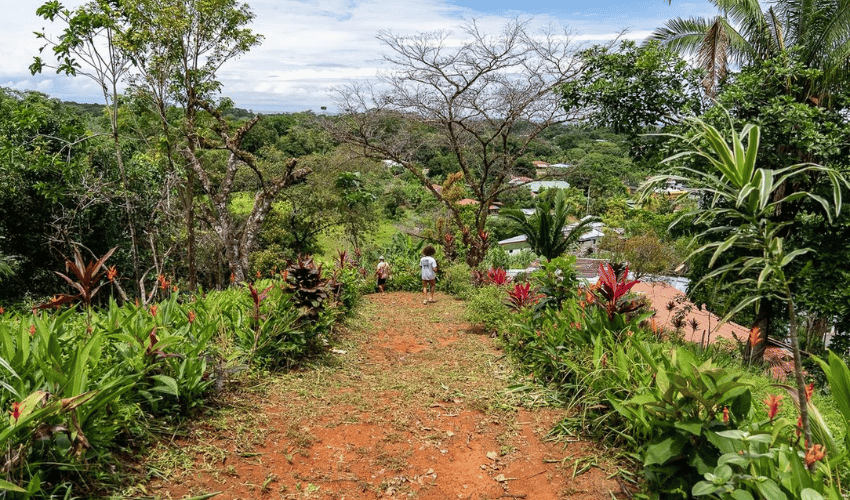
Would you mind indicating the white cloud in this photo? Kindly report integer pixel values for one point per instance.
(311, 46)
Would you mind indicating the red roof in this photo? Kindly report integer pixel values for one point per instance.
(661, 294)
(466, 201)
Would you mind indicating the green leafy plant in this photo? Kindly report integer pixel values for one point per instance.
(741, 203)
(547, 230)
(688, 400)
(557, 280)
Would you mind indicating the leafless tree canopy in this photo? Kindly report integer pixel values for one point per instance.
(488, 96)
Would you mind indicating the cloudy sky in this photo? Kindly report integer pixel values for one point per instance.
(311, 46)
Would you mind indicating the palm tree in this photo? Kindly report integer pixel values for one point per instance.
(744, 34)
(546, 229)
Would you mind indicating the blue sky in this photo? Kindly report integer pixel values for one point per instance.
(312, 46)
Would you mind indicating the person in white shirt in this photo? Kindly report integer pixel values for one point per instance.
(429, 273)
(382, 273)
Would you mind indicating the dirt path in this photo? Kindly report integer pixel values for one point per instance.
(417, 407)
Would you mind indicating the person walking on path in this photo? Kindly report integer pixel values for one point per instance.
(429, 273)
(382, 273)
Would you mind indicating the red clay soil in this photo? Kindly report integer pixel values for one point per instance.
(415, 407)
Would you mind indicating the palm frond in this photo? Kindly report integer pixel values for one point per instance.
(684, 36)
(712, 56)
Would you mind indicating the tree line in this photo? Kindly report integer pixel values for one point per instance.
(162, 169)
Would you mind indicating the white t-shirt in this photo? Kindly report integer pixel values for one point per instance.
(429, 268)
(383, 270)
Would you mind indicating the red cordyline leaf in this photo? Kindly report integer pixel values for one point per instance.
(612, 288)
(498, 276)
(87, 277)
(521, 296)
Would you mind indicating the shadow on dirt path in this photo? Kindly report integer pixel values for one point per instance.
(415, 405)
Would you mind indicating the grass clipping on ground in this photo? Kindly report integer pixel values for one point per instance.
(412, 401)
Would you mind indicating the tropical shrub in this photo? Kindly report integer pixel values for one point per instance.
(557, 280)
(454, 280)
(487, 306)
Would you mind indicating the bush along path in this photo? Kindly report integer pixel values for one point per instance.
(414, 404)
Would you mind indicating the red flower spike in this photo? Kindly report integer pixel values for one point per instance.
(799, 428)
(32, 330)
(814, 453)
(191, 316)
(111, 273)
(810, 389)
(2, 311)
(16, 411)
(755, 337)
(772, 403)
(725, 415)
(154, 309)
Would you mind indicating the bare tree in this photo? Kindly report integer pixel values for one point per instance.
(487, 96)
(237, 238)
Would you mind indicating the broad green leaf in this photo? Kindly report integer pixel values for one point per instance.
(792, 255)
(769, 489)
(722, 247)
(741, 495)
(810, 494)
(7, 486)
(704, 488)
(168, 385)
(662, 451)
(733, 434)
(753, 138)
(692, 425)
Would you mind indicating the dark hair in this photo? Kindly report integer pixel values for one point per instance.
(428, 251)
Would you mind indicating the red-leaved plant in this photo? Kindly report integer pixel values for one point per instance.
(522, 297)
(87, 281)
(612, 286)
(498, 276)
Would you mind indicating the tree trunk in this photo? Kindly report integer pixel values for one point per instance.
(798, 370)
(190, 230)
